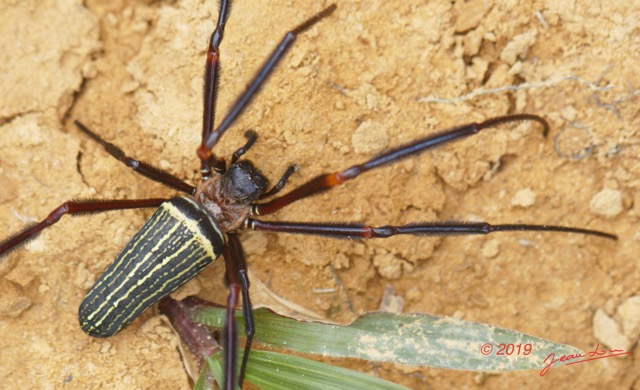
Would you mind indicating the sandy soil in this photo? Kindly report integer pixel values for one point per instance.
(374, 75)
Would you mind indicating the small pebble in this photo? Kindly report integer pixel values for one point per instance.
(608, 332)
(607, 203)
(369, 137)
(490, 249)
(629, 313)
(12, 301)
(526, 197)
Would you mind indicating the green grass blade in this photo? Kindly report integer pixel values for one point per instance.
(215, 366)
(413, 339)
(272, 370)
(201, 382)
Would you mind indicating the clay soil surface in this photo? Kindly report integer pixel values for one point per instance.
(374, 75)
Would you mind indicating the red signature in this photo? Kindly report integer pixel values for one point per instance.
(597, 353)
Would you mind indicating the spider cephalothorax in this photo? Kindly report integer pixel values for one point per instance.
(228, 196)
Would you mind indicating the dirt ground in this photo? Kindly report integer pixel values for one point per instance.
(373, 75)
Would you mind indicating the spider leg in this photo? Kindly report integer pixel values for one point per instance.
(211, 84)
(238, 284)
(204, 151)
(141, 167)
(281, 183)
(251, 137)
(75, 207)
(439, 228)
(327, 181)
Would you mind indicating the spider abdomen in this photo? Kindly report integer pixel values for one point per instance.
(174, 245)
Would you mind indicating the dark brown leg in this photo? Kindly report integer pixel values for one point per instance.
(204, 151)
(211, 82)
(238, 283)
(75, 207)
(140, 167)
(251, 137)
(327, 181)
(280, 184)
(353, 231)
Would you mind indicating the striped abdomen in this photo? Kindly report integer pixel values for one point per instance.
(176, 243)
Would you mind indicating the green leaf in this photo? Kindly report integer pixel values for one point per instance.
(413, 339)
(200, 383)
(272, 370)
(214, 365)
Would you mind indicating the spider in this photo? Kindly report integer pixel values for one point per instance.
(230, 197)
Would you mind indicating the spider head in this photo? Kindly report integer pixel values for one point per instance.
(243, 183)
